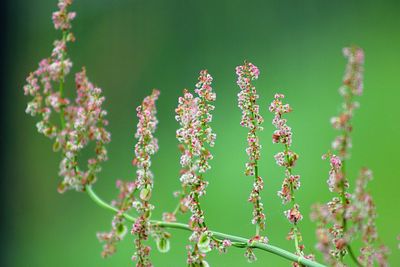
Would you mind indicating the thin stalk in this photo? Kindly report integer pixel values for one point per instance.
(353, 256)
(176, 208)
(258, 202)
(252, 103)
(238, 241)
(61, 85)
(345, 134)
(293, 202)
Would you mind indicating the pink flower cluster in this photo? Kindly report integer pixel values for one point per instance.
(347, 215)
(51, 72)
(362, 213)
(187, 114)
(206, 96)
(84, 123)
(110, 239)
(81, 122)
(335, 214)
(321, 214)
(287, 159)
(62, 18)
(145, 147)
(195, 134)
(336, 180)
(353, 78)
(333, 238)
(352, 86)
(251, 119)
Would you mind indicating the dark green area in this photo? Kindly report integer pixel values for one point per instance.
(130, 47)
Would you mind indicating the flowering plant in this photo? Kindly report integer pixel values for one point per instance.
(83, 121)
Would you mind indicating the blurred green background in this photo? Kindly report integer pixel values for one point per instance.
(130, 47)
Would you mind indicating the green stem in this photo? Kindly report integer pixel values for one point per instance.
(61, 85)
(293, 202)
(258, 225)
(238, 241)
(352, 256)
(345, 134)
(176, 208)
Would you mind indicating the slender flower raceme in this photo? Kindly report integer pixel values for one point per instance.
(346, 215)
(332, 240)
(287, 159)
(52, 72)
(195, 134)
(145, 147)
(81, 122)
(352, 86)
(207, 136)
(338, 182)
(362, 213)
(251, 119)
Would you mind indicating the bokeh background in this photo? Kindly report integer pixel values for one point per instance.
(130, 47)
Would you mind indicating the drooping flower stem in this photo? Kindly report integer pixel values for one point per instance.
(80, 122)
(237, 241)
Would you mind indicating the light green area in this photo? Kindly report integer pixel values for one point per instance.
(130, 47)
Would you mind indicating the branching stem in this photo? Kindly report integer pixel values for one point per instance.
(236, 240)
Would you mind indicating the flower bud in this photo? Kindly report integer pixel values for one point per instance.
(56, 146)
(204, 243)
(145, 193)
(163, 244)
(121, 230)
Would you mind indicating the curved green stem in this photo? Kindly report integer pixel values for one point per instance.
(238, 241)
(353, 256)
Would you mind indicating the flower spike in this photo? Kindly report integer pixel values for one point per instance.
(251, 119)
(347, 214)
(287, 159)
(195, 136)
(145, 147)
